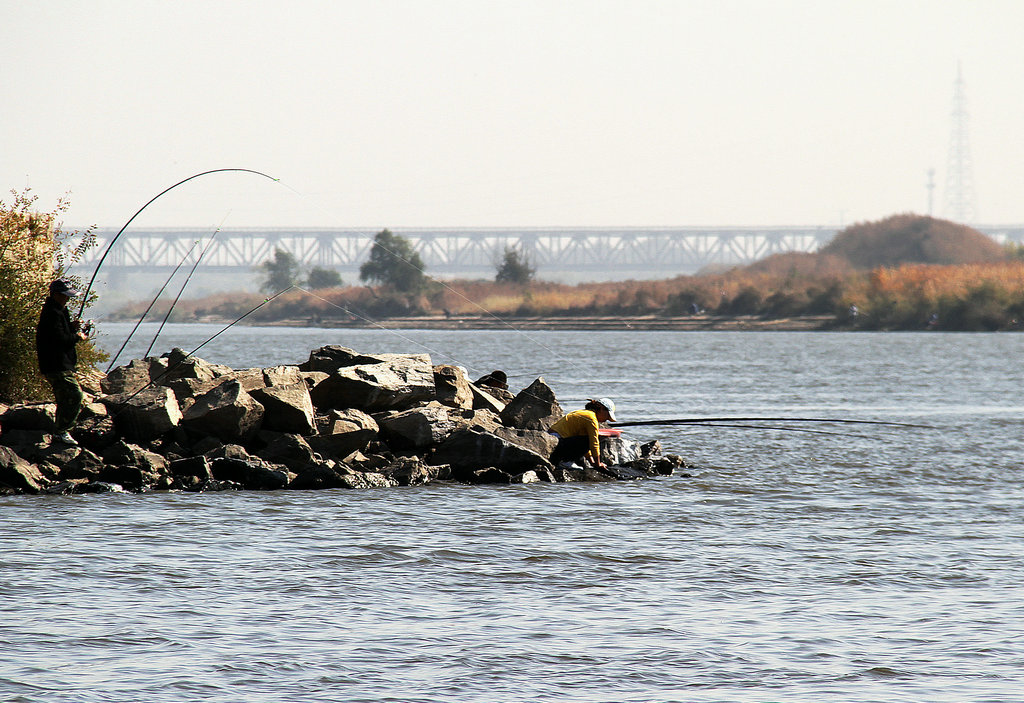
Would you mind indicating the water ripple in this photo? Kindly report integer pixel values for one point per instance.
(787, 568)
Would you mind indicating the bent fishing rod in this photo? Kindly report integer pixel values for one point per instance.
(113, 359)
(706, 420)
(781, 428)
(180, 292)
(121, 406)
(85, 295)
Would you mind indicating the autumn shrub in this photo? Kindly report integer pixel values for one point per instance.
(971, 297)
(985, 307)
(747, 301)
(34, 250)
(684, 301)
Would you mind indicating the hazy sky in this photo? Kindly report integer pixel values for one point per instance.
(391, 113)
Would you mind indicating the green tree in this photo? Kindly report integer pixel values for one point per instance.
(515, 268)
(33, 252)
(323, 278)
(283, 271)
(394, 264)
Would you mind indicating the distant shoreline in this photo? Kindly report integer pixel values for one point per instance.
(567, 323)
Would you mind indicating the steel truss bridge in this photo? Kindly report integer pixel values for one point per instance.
(588, 252)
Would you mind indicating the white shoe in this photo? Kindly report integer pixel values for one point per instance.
(569, 465)
(66, 438)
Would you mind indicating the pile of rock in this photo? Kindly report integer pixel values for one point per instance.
(340, 419)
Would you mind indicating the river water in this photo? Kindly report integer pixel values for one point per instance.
(873, 564)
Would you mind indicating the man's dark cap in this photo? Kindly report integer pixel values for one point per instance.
(62, 287)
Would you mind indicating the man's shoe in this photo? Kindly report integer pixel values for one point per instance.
(66, 438)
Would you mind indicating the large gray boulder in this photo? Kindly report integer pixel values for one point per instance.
(419, 427)
(250, 474)
(180, 365)
(534, 408)
(286, 408)
(413, 471)
(483, 419)
(340, 476)
(452, 387)
(144, 415)
(538, 441)
(128, 378)
(472, 449)
(399, 382)
(289, 449)
(67, 461)
(32, 416)
(18, 474)
(227, 412)
(128, 454)
(193, 467)
(484, 400)
(281, 376)
(343, 432)
(250, 379)
(133, 467)
(333, 357)
(359, 479)
(620, 450)
(318, 477)
(493, 475)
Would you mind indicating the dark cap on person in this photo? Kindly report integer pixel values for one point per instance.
(62, 287)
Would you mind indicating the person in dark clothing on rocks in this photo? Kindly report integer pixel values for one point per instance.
(578, 433)
(56, 339)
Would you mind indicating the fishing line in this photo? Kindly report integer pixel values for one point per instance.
(161, 376)
(703, 420)
(150, 307)
(187, 279)
(781, 428)
(387, 329)
(85, 295)
(585, 371)
(430, 349)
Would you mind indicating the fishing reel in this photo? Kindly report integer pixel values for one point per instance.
(86, 327)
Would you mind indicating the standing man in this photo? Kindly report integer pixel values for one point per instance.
(56, 339)
(578, 433)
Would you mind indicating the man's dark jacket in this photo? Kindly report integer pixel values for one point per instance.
(55, 339)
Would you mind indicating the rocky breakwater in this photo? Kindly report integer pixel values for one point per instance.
(341, 419)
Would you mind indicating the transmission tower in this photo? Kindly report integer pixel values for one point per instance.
(961, 203)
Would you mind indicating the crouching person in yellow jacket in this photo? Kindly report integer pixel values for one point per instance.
(577, 433)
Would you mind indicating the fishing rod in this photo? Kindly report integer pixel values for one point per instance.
(705, 420)
(180, 292)
(169, 369)
(150, 307)
(85, 295)
(780, 427)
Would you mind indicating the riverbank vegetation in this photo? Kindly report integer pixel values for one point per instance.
(34, 250)
(904, 272)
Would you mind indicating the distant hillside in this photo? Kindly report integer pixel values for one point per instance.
(913, 239)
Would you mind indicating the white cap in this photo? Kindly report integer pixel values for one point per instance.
(609, 406)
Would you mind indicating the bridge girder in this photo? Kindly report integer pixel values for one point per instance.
(455, 251)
